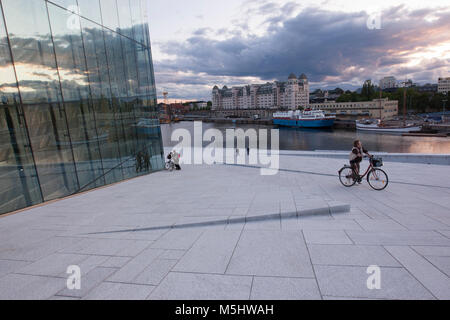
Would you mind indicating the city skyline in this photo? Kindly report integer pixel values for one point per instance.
(200, 44)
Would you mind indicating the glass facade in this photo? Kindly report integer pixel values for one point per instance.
(78, 101)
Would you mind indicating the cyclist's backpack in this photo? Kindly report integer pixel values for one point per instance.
(352, 155)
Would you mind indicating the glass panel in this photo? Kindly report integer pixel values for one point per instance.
(137, 20)
(33, 50)
(130, 51)
(142, 63)
(65, 3)
(76, 94)
(125, 20)
(132, 101)
(90, 9)
(109, 14)
(39, 85)
(85, 104)
(119, 93)
(150, 73)
(107, 126)
(19, 186)
(144, 19)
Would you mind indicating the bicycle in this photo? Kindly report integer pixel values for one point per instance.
(170, 165)
(377, 178)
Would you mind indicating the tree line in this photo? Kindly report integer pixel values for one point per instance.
(416, 101)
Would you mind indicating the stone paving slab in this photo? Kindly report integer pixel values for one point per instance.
(442, 263)
(190, 286)
(8, 266)
(275, 288)
(177, 239)
(398, 237)
(270, 224)
(28, 287)
(119, 291)
(225, 232)
(136, 265)
(271, 253)
(446, 233)
(439, 251)
(345, 281)
(326, 237)
(109, 247)
(431, 277)
(115, 262)
(380, 225)
(329, 225)
(211, 253)
(54, 265)
(155, 272)
(90, 281)
(351, 255)
(15, 249)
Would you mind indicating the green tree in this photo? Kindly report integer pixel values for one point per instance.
(368, 91)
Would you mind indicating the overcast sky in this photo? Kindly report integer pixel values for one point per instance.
(201, 43)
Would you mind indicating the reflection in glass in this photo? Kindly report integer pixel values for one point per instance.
(90, 9)
(77, 102)
(77, 107)
(110, 17)
(39, 85)
(125, 21)
(19, 186)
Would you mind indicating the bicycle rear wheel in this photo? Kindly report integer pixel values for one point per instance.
(378, 179)
(346, 176)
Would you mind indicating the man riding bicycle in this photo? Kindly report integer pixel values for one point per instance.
(356, 156)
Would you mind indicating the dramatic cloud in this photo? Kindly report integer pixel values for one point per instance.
(332, 48)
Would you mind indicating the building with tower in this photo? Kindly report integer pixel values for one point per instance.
(273, 95)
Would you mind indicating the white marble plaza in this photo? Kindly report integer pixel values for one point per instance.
(225, 232)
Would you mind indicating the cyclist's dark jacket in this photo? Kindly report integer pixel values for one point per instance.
(358, 159)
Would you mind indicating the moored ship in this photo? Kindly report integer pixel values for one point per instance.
(378, 126)
(303, 119)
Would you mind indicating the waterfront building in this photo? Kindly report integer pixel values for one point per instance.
(273, 95)
(77, 98)
(200, 104)
(388, 83)
(444, 85)
(429, 88)
(384, 108)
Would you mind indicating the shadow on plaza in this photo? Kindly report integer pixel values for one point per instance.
(267, 217)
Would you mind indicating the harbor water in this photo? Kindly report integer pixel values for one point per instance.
(327, 139)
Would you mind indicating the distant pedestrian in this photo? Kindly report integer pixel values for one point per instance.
(248, 151)
(146, 161)
(139, 162)
(176, 159)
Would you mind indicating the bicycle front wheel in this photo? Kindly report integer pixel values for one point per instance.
(378, 179)
(346, 176)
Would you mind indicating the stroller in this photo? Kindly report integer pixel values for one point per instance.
(170, 165)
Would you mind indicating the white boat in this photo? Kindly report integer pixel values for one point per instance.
(378, 127)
